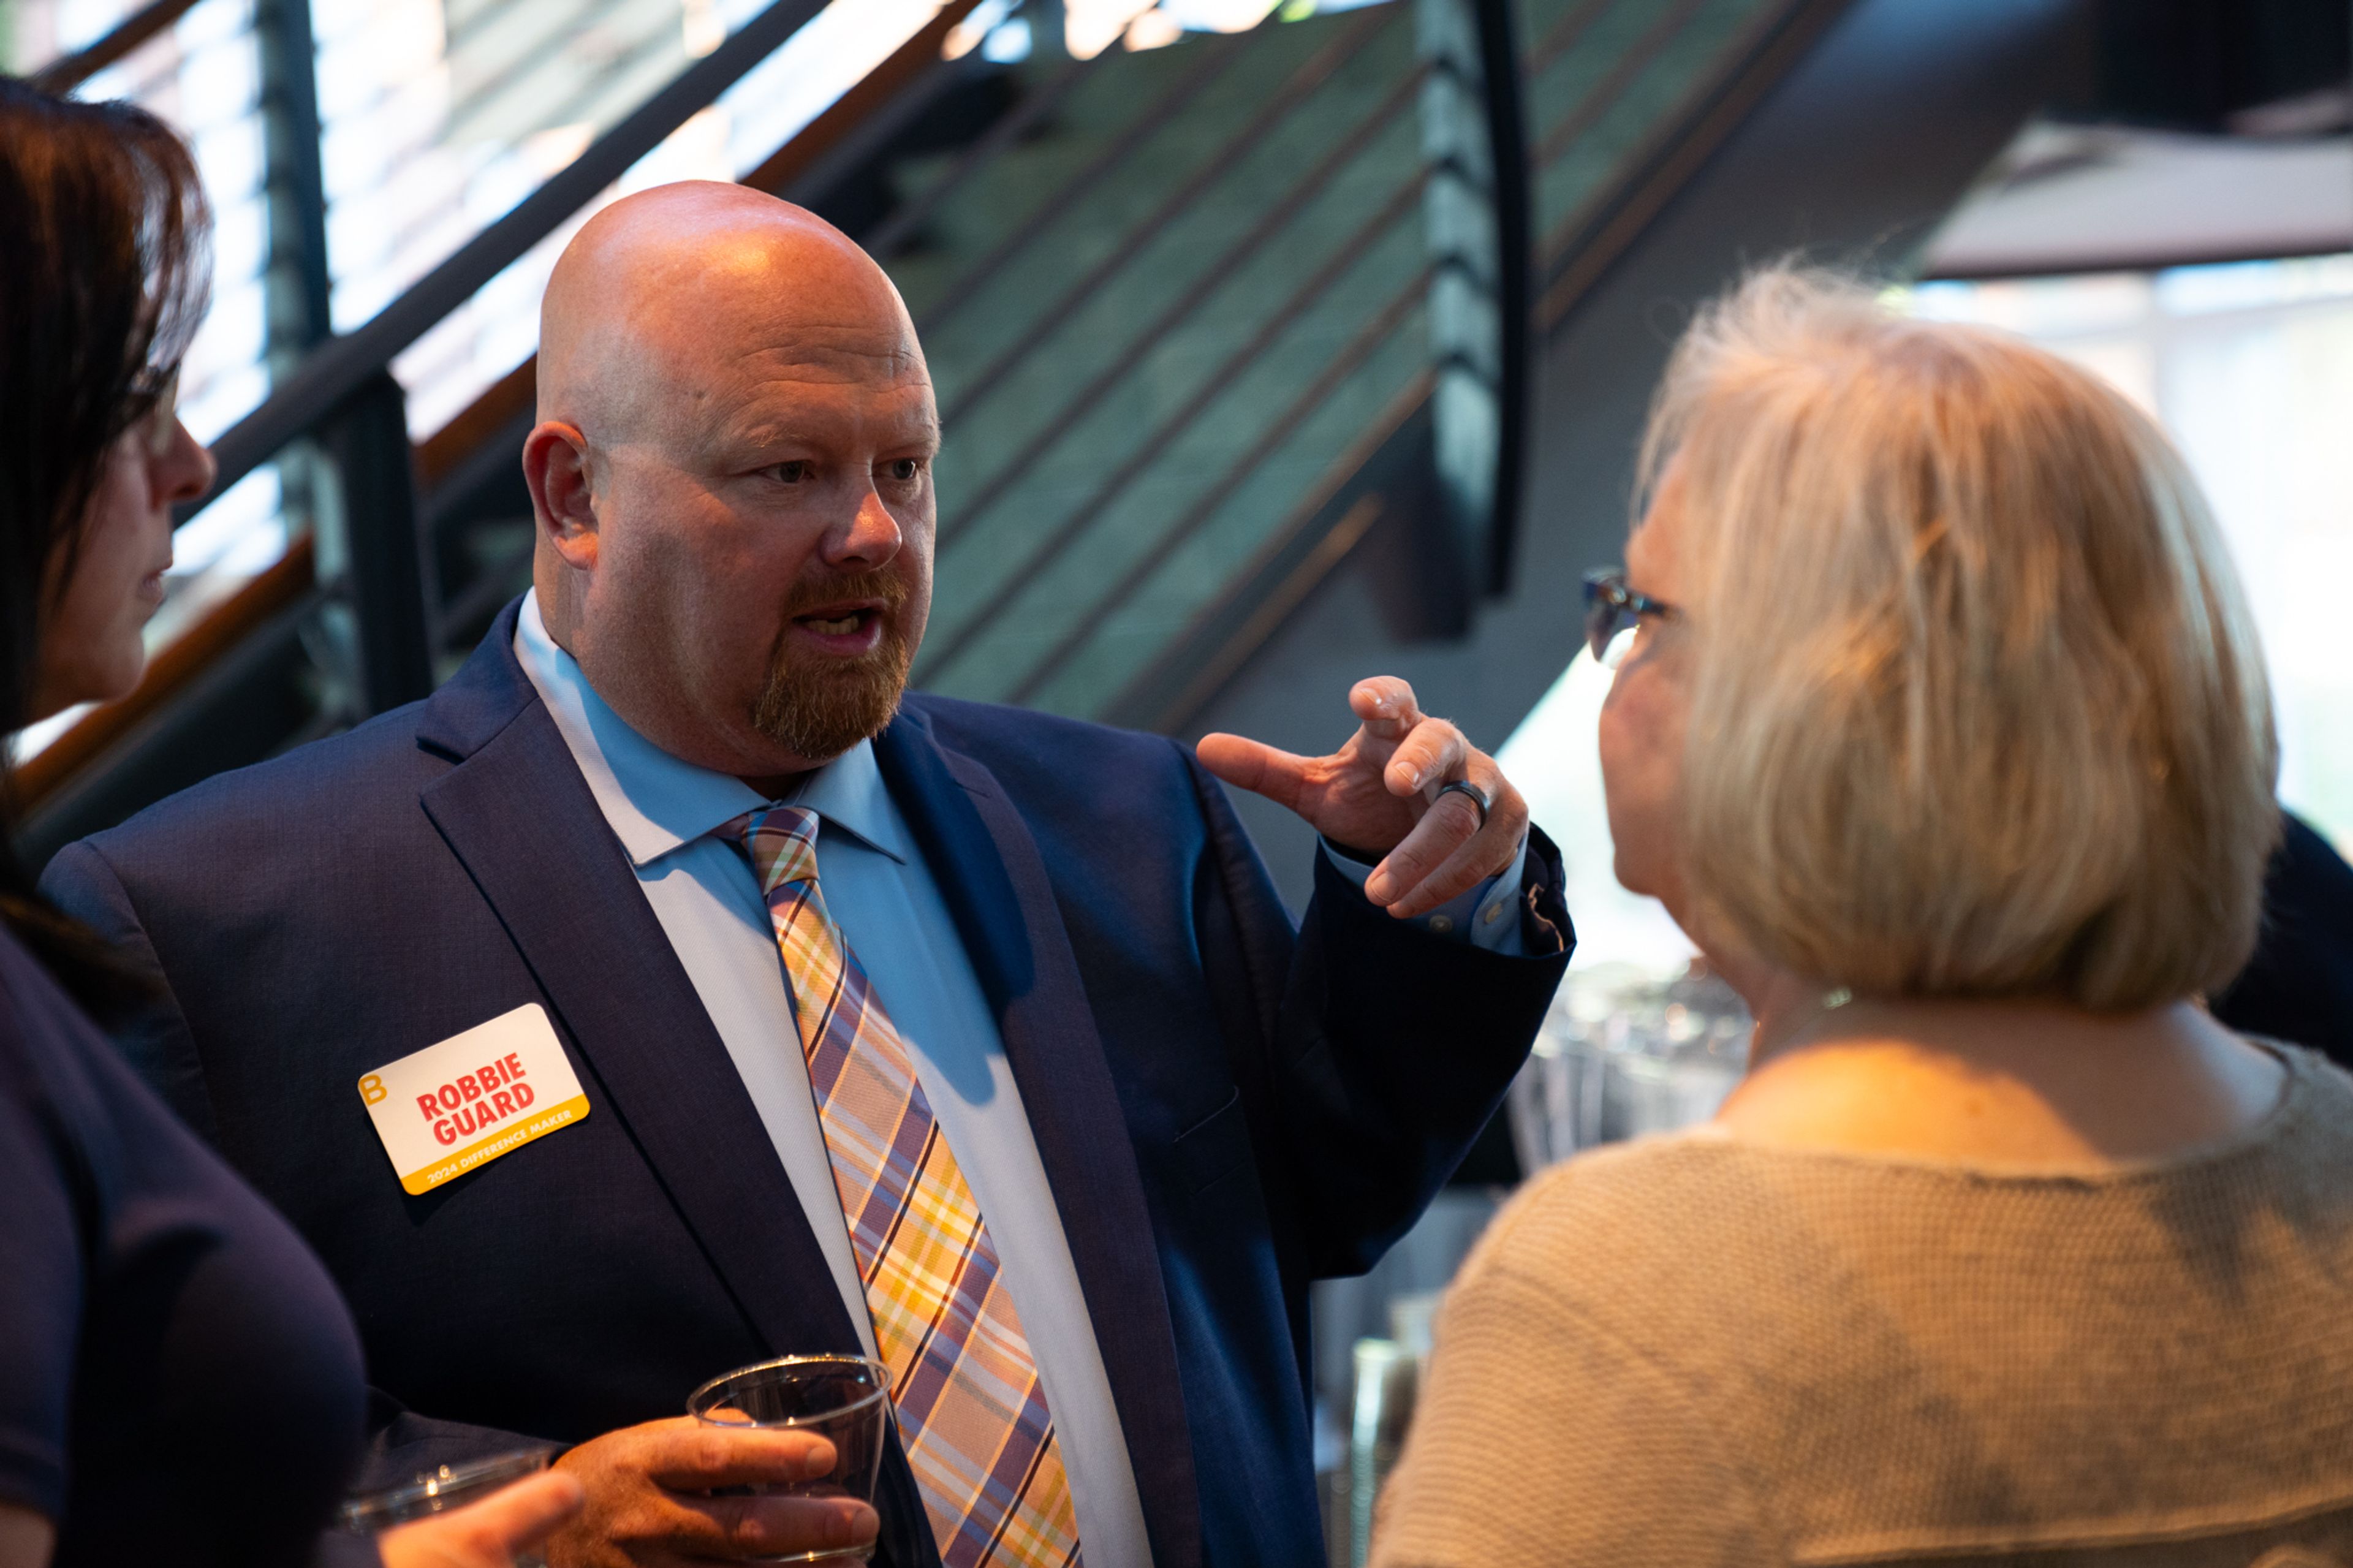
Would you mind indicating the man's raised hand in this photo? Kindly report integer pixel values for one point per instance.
(1378, 794)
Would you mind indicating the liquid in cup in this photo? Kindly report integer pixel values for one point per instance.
(843, 1399)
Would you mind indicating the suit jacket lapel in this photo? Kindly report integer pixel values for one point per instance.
(515, 810)
(989, 869)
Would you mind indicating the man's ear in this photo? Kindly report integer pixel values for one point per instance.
(556, 461)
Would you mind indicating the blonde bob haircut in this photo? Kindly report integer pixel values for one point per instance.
(1977, 709)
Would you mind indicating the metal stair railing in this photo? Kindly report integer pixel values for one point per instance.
(1178, 312)
(1326, 526)
(1216, 62)
(1504, 188)
(1278, 105)
(1151, 447)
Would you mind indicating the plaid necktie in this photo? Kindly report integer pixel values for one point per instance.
(972, 1414)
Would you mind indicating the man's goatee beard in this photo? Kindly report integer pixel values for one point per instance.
(817, 706)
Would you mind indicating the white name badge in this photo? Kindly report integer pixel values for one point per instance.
(472, 1097)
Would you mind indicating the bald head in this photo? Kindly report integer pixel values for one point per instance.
(732, 477)
(664, 293)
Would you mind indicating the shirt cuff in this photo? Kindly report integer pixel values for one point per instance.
(1485, 916)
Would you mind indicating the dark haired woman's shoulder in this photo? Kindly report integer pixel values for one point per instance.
(45, 1038)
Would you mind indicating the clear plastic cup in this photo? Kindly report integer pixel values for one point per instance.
(440, 1490)
(844, 1399)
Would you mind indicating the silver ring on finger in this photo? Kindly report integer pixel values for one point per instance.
(1469, 791)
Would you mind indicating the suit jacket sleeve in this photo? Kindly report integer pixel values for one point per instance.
(1368, 1055)
(156, 1036)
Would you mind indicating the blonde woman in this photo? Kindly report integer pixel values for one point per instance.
(1943, 730)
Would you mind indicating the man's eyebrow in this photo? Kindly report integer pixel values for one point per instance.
(758, 431)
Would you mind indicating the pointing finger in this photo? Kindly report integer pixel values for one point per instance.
(1385, 704)
(1253, 765)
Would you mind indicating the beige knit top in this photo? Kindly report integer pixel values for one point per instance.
(1690, 1351)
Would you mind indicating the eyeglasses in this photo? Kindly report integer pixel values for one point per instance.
(1612, 614)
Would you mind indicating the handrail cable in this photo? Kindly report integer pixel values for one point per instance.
(1566, 34)
(1310, 75)
(1613, 86)
(1218, 55)
(1200, 680)
(1603, 225)
(1011, 127)
(1346, 254)
(1278, 213)
(62, 75)
(1351, 357)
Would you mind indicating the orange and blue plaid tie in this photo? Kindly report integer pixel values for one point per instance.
(972, 1414)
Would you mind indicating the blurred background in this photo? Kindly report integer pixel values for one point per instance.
(1276, 345)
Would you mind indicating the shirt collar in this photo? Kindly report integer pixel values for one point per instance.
(655, 802)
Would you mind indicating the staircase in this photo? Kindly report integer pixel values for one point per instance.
(1200, 317)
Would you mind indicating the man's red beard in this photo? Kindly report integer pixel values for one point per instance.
(818, 705)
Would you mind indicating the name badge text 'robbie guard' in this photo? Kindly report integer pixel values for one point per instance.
(474, 1097)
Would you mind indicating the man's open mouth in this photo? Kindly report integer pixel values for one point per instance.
(854, 620)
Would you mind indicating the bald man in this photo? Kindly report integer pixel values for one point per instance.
(674, 990)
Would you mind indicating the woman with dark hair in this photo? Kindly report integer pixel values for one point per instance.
(178, 1376)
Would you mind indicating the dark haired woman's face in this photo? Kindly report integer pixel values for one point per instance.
(92, 650)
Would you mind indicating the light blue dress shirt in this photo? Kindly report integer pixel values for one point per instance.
(1486, 915)
(880, 892)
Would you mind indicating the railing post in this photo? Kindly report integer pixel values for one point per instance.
(1513, 197)
(299, 287)
(1466, 326)
(380, 546)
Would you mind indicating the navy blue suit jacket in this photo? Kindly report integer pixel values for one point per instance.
(1224, 1108)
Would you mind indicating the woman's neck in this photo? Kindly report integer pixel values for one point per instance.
(2012, 1083)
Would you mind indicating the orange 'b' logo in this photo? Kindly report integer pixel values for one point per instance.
(372, 1089)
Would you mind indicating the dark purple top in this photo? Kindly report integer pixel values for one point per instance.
(179, 1380)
